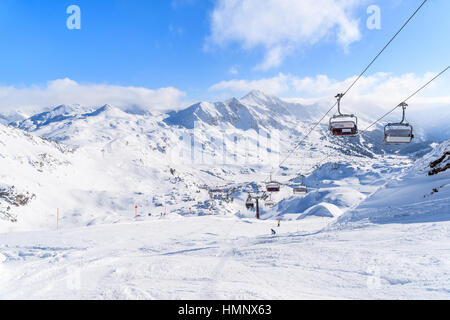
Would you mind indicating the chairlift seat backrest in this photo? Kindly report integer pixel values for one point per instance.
(301, 190)
(398, 133)
(273, 187)
(269, 203)
(342, 125)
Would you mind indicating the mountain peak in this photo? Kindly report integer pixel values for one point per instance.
(257, 97)
(105, 108)
(258, 94)
(65, 109)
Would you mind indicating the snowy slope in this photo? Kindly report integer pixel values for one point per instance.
(227, 258)
(122, 159)
(412, 195)
(95, 164)
(27, 163)
(90, 185)
(12, 117)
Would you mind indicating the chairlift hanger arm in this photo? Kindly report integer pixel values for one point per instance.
(403, 105)
(339, 96)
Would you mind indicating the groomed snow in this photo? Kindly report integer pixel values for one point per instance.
(228, 258)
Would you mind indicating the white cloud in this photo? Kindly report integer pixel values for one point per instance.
(384, 90)
(67, 91)
(279, 26)
(276, 85)
(370, 96)
(274, 57)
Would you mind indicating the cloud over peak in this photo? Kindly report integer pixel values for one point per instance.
(67, 91)
(374, 92)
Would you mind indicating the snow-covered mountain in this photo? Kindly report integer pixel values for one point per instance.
(29, 162)
(12, 117)
(254, 111)
(365, 216)
(121, 159)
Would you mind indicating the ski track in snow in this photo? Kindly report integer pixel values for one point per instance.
(226, 258)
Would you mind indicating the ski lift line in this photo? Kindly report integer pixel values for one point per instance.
(306, 136)
(427, 84)
(300, 143)
(384, 48)
(407, 99)
(354, 82)
(319, 164)
(401, 104)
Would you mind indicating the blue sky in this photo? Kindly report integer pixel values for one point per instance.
(158, 44)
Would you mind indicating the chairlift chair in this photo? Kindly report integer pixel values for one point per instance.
(273, 186)
(397, 133)
(249, 204)
(343, 124)
(269, 203)
(216, 191)
(301, 189)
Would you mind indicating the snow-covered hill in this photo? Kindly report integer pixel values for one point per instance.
(93, 165)
(28, 163)
(418, 193)
(122, 159)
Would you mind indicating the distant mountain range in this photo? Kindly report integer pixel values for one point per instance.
(98, 162)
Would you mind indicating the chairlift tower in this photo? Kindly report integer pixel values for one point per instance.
(258, 196)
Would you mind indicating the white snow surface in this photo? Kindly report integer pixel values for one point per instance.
(374, 224)
(227, 258)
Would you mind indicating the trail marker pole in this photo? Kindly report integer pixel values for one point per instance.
(189, 211)
(135, 211)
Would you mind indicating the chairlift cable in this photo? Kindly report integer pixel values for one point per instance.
(401, 104)
(306, 136)
(411, 96)
(385, 47)
(354, 82)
